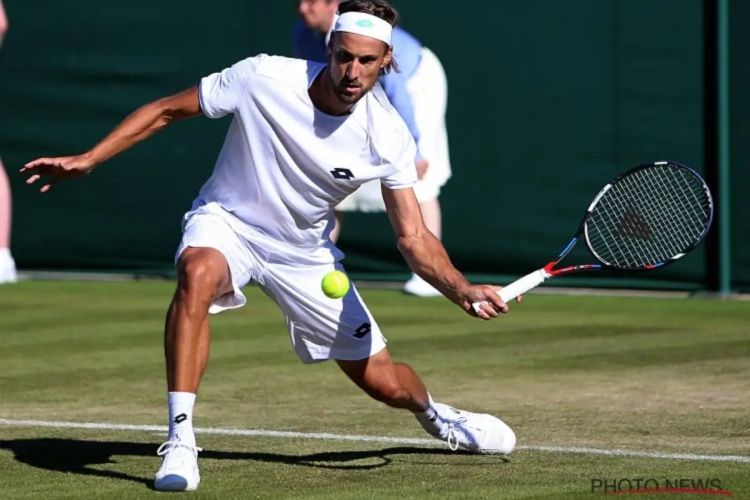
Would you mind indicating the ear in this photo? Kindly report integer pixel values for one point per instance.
(387, 58)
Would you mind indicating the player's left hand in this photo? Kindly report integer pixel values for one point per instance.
(488, 295)
(51, 170)
(422, 167)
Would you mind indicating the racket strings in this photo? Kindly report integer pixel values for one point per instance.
(652, 196)
(648, 217)
(679, 199)
(657, 209)
(658, 201)
(604, 235)
(622, 254)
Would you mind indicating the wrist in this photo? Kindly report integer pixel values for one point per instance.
(456, 287)
(91, 158)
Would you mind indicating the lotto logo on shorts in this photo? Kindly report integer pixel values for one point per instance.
(363, 331)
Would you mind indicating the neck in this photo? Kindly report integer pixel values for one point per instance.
(323, 96)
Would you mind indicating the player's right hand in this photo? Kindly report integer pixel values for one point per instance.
(487, 295)
(51, 170)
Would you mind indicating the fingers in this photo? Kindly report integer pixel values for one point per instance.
(42, 162)
(483, 310)
(497, 302)
(38, 168)
(46, 187)
(33, 179)
(487, 312)
(49, 185)
(43, 171)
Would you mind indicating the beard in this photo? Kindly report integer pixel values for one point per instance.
(348, 91)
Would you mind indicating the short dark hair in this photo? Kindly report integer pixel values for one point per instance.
(380, 9)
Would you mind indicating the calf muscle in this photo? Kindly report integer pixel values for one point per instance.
(203, 275)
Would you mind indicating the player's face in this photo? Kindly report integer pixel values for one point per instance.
(317, 14)
(355, 62)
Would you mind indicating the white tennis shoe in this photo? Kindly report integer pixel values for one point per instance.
(8, 272)
(419, 287)
(179, 468)
(476, 432)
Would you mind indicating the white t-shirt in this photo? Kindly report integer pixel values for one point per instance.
(284, 164)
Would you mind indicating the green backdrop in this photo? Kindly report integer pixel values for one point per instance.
(547, 101)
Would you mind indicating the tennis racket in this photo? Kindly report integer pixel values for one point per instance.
(644, 219)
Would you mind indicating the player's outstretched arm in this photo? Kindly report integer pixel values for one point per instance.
(426, 256)
(140, 125)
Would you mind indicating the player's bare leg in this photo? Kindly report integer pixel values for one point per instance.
(203, 275)
(7, 264)
(398, 386)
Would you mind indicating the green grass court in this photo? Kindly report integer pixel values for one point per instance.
(651, 375)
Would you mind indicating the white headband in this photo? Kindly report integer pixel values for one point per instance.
(365, 25)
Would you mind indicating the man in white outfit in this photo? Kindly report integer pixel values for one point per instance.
(303, 137)
(419, 92)
(7, 264)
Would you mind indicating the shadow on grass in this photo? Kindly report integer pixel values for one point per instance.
(78, 456)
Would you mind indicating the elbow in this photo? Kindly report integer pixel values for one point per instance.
(407, 245)
(162, 112)
(165, 110)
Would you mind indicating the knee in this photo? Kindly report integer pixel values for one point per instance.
(201, 275)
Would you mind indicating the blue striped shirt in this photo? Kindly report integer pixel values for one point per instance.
(310, 45)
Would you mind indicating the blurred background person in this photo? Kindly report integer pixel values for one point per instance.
(419, 92)
(7, 264)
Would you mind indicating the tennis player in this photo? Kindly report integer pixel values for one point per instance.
(7, 264)
(304, 135)
(418, 91)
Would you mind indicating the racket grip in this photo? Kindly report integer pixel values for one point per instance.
(519, 287)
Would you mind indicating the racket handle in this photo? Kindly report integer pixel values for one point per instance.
(519, 287)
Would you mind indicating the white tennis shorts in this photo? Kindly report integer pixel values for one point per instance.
(428, 88)
(320, 328)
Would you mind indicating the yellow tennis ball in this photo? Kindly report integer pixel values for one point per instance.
(335, 284)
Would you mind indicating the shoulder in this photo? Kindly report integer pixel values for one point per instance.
(389, 121)
(247, 67)
(255, 69)
(381, 104)
(287, 70)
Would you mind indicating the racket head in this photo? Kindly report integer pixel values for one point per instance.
(648, 217)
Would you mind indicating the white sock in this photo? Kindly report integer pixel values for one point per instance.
(181, 417)
(430, 420)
